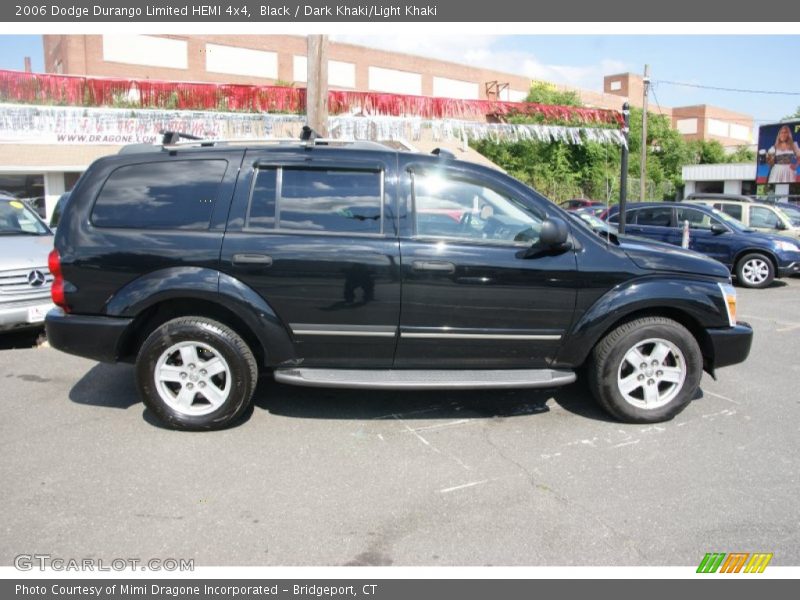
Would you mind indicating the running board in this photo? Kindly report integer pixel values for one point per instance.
(424, 379)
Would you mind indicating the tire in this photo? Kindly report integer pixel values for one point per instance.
(196, 374)
(755, 271)
(654, 393)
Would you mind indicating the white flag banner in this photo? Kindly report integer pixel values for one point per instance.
(23, 123)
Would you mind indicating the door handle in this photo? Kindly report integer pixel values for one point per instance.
(252, 259)
(439, 266)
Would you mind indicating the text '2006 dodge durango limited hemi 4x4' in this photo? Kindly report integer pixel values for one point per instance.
(355, 265)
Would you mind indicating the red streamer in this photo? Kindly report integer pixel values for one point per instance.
(36, 88)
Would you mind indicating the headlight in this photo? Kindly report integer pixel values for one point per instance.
(787, 246)
(729, 296)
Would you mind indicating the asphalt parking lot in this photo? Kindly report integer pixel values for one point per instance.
(325, 477)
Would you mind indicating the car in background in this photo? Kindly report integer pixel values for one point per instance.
(593, 222)
(25, 280)
(576, 203)
(755, 258)
(768, 218)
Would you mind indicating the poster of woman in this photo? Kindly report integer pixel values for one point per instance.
(778, 153)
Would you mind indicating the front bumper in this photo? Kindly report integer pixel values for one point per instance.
(94, 337)
(21, 314)
(730, 345)
(790, 269)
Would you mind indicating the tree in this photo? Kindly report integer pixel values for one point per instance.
(795, 115)
(547, 93)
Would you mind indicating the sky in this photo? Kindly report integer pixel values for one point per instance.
(752, 62)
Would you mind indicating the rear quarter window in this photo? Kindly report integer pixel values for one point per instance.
(160, 195)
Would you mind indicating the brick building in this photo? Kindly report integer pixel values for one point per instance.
(43, 171)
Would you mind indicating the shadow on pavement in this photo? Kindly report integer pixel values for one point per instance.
(113, 386)
(106, 385)
(321, 403)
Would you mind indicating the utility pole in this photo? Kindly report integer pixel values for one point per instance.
(317, 84)
(643, 165)
(623, 175)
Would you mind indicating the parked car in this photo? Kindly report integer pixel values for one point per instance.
(755, 258)
(593, 222)
(576, 203)
(768, 218)
(595, 210)
(25, 242)
(355, 265)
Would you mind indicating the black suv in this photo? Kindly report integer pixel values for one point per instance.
(355, 265)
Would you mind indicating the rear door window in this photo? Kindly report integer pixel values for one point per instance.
(654, 216)
(176, 194)
(317, 200)
(734, 210)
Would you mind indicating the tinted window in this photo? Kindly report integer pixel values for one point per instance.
(160, 195)
(697, 219)
(262, 203)
(654, 216)
(734, 210)
(763, 217)
(330, 200)
(466, 210)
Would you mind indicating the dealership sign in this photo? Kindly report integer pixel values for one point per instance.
(20, 123)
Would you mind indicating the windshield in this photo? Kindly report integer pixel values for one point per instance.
(17, 219)
(729, 220)
(790, 212)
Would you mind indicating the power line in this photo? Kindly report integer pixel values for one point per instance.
(726, 89)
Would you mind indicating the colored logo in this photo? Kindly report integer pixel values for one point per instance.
(735, 562)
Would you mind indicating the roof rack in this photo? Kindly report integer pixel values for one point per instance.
(173, 140)
(443, 153)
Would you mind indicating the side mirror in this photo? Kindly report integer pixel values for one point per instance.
(717, 229)
(780, 226)
(554, 233)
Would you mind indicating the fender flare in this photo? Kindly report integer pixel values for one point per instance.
(698, 302)
(182, 283)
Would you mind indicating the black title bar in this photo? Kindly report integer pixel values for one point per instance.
(413, 11)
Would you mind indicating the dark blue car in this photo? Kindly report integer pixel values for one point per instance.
(755, 258)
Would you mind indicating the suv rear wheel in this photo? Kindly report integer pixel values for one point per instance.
(646, 371)
(755, 271)
(195, 373)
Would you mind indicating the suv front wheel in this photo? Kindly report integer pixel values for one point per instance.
(195, 374)
(646, 370)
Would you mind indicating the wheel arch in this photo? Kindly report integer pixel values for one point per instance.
(695, 304)
(768, 253)
(160, 296)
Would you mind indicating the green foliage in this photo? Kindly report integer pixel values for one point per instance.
(545, 93)
(795, 115)
(563, 171)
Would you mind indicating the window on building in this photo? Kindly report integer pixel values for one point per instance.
(160, 195)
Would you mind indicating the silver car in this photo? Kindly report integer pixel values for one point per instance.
(25, 280)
